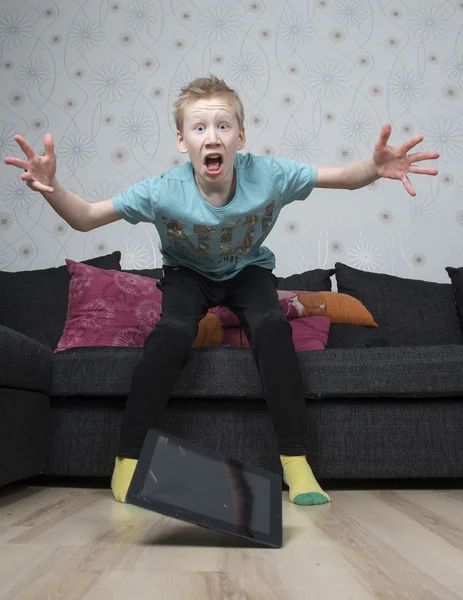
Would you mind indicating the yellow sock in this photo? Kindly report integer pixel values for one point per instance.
(122, 476)
(303, 487)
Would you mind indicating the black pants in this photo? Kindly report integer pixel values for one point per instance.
(187, 296)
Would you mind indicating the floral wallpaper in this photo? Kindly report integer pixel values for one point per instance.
(318, 78)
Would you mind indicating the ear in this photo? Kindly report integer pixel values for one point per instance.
(181, 144)
(241, 139)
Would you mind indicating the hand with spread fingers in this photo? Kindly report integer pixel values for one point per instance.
(39, 171)
(396, 163)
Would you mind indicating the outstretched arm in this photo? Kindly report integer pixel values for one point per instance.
(390, 162)
(40, 175)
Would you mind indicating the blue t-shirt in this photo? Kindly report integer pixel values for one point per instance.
(217, 242)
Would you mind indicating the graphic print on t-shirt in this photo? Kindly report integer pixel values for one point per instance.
(217, 244)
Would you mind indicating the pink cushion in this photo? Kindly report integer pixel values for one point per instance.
(109, 308)
(309, 333)
(288, 302)
(226, 316)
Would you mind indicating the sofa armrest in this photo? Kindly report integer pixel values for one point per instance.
(24, 363)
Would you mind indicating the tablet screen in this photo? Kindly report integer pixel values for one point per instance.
(221, 489)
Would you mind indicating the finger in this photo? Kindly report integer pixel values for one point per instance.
(49, 145)
(25, 147)
(385, 134)
(30, 185)
(40, 187)
(16, 162)
(408, 186)
(418, 156)
(34, 184)
(407, 146)
(423, 170)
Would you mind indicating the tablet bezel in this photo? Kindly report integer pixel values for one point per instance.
(273, 539)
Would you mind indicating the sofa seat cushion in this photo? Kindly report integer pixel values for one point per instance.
(231, 372)
(24, 363)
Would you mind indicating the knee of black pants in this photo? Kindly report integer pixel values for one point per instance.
(171, 332)
(269, 324)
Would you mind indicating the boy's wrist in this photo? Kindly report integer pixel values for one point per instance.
(360, 173)
(53, 183)
(371, 172)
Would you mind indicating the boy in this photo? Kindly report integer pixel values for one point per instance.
(212, 215)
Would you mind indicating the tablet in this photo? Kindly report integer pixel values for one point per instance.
(185, 481)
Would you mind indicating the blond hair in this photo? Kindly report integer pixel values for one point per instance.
(201, 88)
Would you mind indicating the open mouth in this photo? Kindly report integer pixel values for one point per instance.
(213, 162)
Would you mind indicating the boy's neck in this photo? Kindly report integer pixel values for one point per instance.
(217, 195)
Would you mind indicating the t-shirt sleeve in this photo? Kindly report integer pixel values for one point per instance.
(138, 202)
(294, 180)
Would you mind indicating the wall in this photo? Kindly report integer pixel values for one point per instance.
(318, 78)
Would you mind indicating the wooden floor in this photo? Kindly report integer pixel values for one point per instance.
(72, 543)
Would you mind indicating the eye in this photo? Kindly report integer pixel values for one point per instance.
(223, 126)
(199, 128)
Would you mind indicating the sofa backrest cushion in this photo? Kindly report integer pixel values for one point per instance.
(152, 273)
(35, 302)
(456, 276)
(408, 312)
(344, 335)
(316, 280)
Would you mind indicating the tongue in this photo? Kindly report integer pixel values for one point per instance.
(213, 164)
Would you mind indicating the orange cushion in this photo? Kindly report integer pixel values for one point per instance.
(210, 332)
(340, 308)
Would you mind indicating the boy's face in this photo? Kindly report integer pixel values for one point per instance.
(212, 136)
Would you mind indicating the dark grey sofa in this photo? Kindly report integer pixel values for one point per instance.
(25, 377)
(381, 403)
(33, 307)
